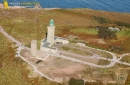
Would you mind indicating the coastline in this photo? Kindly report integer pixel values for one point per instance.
(28, 7)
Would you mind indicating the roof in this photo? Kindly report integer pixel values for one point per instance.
(55, 37)
(45, 40)
(62, 38)
(59, 38)
(46, 44)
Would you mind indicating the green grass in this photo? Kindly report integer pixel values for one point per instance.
(12, 74)
(106, 55)
(76, 82)
(126, 59)
(73, 41)
(103, 62)
(128, 79)
(123, 24)
(77, 51)
(24, 26)
(13, 70)
(38, 45)
(101, 20)
(91, 31)
(105, 71)
(125, 32)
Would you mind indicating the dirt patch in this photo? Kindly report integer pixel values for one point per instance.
(96, 41)
(100, 41)
(55, 67)
(26, 54)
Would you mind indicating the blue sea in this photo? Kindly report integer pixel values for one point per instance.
(106, 5)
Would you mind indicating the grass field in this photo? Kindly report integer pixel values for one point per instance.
(103, 62)
(76, 51)
(13, 70)
(28, 24)
(125, 32)
(91, 31)
(126, 59)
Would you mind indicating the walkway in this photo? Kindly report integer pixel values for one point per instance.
(113, 60)
(20, 47)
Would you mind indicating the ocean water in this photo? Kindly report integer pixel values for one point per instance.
(106, 5)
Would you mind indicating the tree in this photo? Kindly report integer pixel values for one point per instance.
(103, 32)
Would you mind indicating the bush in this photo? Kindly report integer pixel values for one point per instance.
(123, 24)
(101, 20)
(105, 33)
(76, 82)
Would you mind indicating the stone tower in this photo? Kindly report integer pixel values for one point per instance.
(34, 47)
(51, 33)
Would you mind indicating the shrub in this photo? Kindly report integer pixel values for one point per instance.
(123, 24)
(76, 82)
(101, 20)
(105, 33)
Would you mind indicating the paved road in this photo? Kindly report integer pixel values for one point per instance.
(95, 56)
(80, 61)
(113, 60)
(20, 47)
(123, 56)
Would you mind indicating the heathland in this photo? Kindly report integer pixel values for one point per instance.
(78, 25)
(28, 24)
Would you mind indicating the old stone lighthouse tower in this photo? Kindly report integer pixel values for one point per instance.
(34, 47)
(51, 33)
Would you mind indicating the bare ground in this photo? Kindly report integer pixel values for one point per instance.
(56, 68)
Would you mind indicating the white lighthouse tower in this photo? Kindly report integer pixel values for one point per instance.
(51, 33)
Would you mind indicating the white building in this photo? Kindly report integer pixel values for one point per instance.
(48, 44)
(51, 33)
(61, 40)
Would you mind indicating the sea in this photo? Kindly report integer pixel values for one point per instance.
(105, 5)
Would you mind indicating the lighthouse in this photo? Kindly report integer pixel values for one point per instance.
(51, 33)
